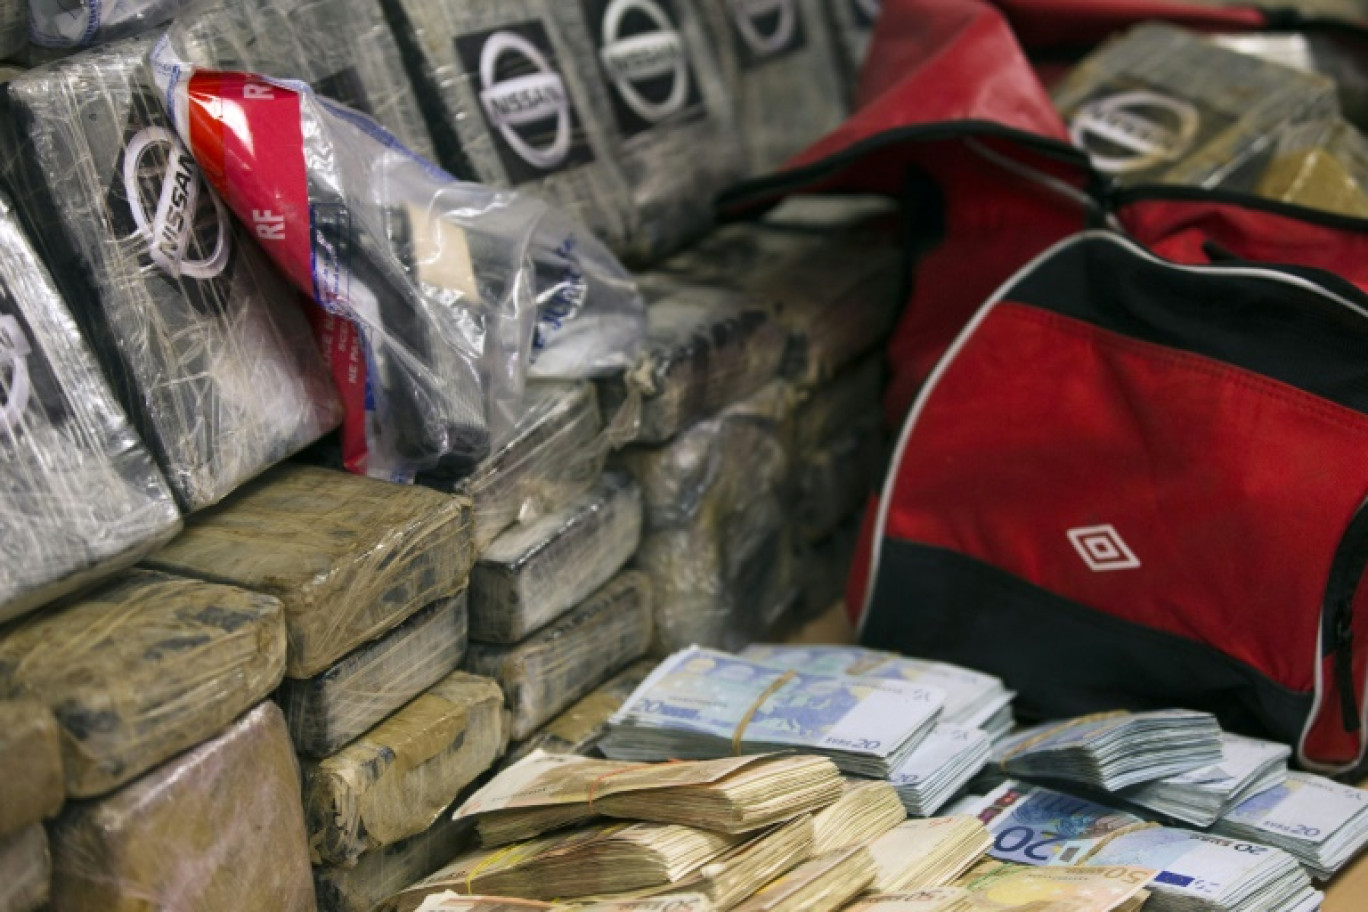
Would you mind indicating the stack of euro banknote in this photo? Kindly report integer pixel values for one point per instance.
(817, 779)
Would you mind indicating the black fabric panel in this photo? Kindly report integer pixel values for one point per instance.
(1062, 658)
(1288, 333)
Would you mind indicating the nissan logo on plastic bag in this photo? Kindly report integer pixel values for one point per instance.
(168, 219)
(14, 391)
(525, 100)
(1134, 131)
(766, 28)
(645, 59)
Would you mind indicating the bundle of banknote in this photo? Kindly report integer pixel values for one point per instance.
(1199, 872)
(1110, 751)
(1038, 826)
(451, 901)
(865, 811)
(1247, 767)
(971, 697)
(917, 854)
(605, 858)
(824, 884)
(700, 703)
(940, 766)
(1016, 888)
(735, 795)
(1321, 823)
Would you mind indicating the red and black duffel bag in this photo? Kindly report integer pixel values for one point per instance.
(1133, 451)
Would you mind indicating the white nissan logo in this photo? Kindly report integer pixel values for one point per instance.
(525, 100)
(746, 14)
(1132, 131)
(649, 55)
(14, 352)
(170, 228)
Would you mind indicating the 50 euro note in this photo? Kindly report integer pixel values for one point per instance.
(1011, 888)
(733, 795)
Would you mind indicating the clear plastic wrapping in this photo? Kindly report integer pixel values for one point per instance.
(339, 705)
(13, 27)
(80, 496)
(778, 60)
(555, 454)
(824, 568)
(718, 546)
(570, 657)
(349, 557)
(534, 573)
(508, 107)
(143, 668)
(1323, 165)
(217, 829)
(380, 873)
(343, 48)
(705, 347)
(836, 480)
(25, 870)
(188, 318)
(438, 297)
(394, 781)
(653, 85)
(828, 409)
(834, 290)
(853, 21)
(1163, 105)
(81, 23)
(578, 729)
(30, 766)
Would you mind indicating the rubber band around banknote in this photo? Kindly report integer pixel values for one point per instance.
(1056, 729)
(745, 722)
(489, 860)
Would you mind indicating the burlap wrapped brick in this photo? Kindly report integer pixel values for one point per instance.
(336, 707)
(143, 668)
(535, 572)
(25, 870)
(828, 409)
(30, 765)
(395, 780)
(217, 829)
(578, 729)
(1323, 165)
(565, 660)
(382, 872)
(835, 481)
(349, 557)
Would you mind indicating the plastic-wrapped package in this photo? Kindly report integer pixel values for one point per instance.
(395, 780)
(1323, 165)
(578, 729)
(565, 660)
(828, 409)
(508, 107)
(380, 873)
(336, 707)
(80, 496)
(853, 21)
(349, 557)
(779, 63)
(717, 547)
(705, 347)
(25, 870)
(191, 323)
(1163, 105)
(555, 455)
(534, 573)
(82, 23)
(142, 668)
(823, 569)
(834, 291)
(14, 18)
(653, 85)
(836, 480)
(453, 291)
(217, 829)
(358, 65)
(30, 766)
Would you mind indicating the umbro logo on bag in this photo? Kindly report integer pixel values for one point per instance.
(1102, 548)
